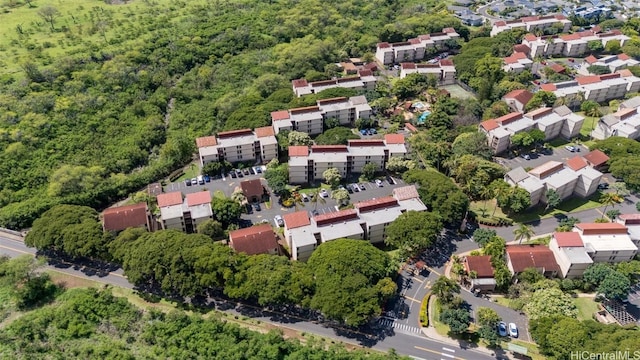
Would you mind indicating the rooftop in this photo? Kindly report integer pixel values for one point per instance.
(568, 239)
(333, 217)
(596, 158)
(375, 204)
(405, 192)
(576, 163)
(531, 256)
(253, 240)
(394, 138)
(206, 141)
(265, 131)
(280, 115)
(252, 188)
(521, 96)
(296, 219)
(601, 228)
(169, 199)
(298, 151)
(120, 218)
(198, 198)
(480, 264)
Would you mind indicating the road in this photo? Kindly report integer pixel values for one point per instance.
(382, 338)
(482, 10)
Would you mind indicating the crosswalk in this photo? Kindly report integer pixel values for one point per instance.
(447, 353)
(400, 327)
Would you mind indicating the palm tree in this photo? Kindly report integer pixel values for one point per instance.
(316, 198)
(486, 193)
(444, 288)
(499, 191)
(297, 200)
(609, 199)
(523, 232)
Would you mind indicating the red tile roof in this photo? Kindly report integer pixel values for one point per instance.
(557, 67)
(500, 23)
(530, 37)
(365, 142)
(623, 57)
(299, 83)
(596, 158)
(370, 68)
(624, 73)
(199, 198)
(298, 151)
(334, 217)
(264, 131)
(446, 62)
(480, 264)
(590, 59)
(120, 218)
(568, 239)
(383, 45)
(489, 125)
(410, 127)
(630, 219)
(234, 133)
(169, 199)
(521, 48)
(625, 113)
(531, 256)
(601, 228)
(252, 188)
(584, 80)
(570, 37)
(576, 163)
(548, 87)
(280, 115)
(296, 219)
(537, 113)
(405, 192)
(206, 141)
(408, 65)
(375, 204)
(394, 138)
(329, 148)
(509, 118)
(254, 240)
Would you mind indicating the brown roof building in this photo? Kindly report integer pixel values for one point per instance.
(253, 190)
(123, 217)
(540, 257)
(480, 264)
(254, 240)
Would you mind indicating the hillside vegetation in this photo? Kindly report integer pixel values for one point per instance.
(97, 100)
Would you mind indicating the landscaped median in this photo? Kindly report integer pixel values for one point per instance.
(424, 310)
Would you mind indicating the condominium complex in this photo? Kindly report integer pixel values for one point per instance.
(310, 119)
(517, 62)
(624, 123)
(575, 45)
(414, 49)
(308, 164)
(598, 88)
(364, 81)
(259, 145)
(129, 216)
(367, 221)
(573, 178)
(539, 257)
(254, 240)
(554, 122)
(532, 24)
(184, 215)
(611, 62)
(518, 99)
(444, 71)
(590, 243)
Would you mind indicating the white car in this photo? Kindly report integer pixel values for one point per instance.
(379, 183)
(324, 193)
(513, 330)
(279, 221)
(570, 148)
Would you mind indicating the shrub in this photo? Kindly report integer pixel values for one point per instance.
(424, 311)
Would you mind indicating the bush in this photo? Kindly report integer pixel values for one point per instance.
(424, 311)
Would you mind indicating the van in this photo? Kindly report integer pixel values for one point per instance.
(200, 180)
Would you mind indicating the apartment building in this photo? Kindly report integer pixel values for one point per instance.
(518, 99)
(184, 214)
(612, 62)
(573, 178)
(554, 122)
(364, 81)
(598, 88)
(254, 240)
(308, 164)
(259, 145)
(444, 71)
(570, 45)
(570, 254)
(539, 257)
(531, 24)
(310, 119)
(632, 222)
(367, 221)
(517, 62)
(119, 218)
(624, 123)
(414, 49)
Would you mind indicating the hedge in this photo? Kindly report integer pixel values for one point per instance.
(424, 310)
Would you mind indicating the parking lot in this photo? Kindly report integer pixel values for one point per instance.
(536, 159)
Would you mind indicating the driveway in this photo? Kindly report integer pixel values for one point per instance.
(558, 154)
(506, 314)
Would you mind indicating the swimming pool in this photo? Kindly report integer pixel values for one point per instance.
(423, 117)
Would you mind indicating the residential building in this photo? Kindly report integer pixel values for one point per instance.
(570, 254)
(414, 49)
(632, 103)
(367, 221)
(310, 119)
(597, 160)
(259, 145)
(554, 122)
(607, 242)
(308, 164)
(598, 88)
(481, 267)
(364, 81)
(130, 216)
(254, 240)
(444, 71)
(539, 257)
(573, 178)
(612, 62)
(632, 222)
(518, 99)
(184, 215)
(516, 62)
(532, 24)
(624, 123)
(570, 45)
(254, 191)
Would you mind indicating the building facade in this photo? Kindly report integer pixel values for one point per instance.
(416, 49)
(364, 81)
(532, 24)
(259, 145)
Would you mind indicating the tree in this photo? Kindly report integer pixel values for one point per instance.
(341, 196)
(553, 199)
(565, 336)
(211, 228)
(69, 229)
(523, 232)
(28, 285)
(439, 194)
(336, 136)
(398, 165)
(351, 280)
(277, 177)
(539, 99)
(297, 138)
(69, 179)
(332, 177)
(473, 143)
(596, 273)
(487, 317)
(317, 198)
(530, 276)
(612, 47)
(609, 199)
(515, 200)
(49, 14)
(615, 286)
(444, 288)
(550, 302)
(369, 171)
(629, 268)
(566, 224)
(599, 69)
(483, 236)
(215, 168)
(226, 211)
(489, 334)
(413, 231)
(591, 108)
(595, 46)
(458, 320)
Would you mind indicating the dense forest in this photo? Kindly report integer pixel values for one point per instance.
(97, 101)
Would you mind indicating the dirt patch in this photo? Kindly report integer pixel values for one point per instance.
(69, 281)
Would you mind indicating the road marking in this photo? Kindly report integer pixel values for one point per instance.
(403, 328)
(433, 271)
(448, 355)
(434, 352)
(412, 299)
(16, 250)
(447, 349)
(418, 280)
(427, 285)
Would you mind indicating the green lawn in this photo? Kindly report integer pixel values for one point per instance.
(586, 307)
(570, 205)
(189, 173)
(441, 328)
(219, 194)
(532, 349)
(505, 302)
(310, 190)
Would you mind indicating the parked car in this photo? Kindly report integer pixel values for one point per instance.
(390, 180)
(603, 186)
(526, 156)
(194, 181)
(207, 178)
(239, 173)
(246, 172)
(364, 132)
(252, 171)
(315, 213)
(324, 193)
(513, 330)
(279, 221)
(258, 170)
(355, 187)
(305, 197)
(233, 174)
(187, 182)
(373, 131)
(502, 328)
(379, 183)
(362, 187)
(200, 180)
(256, 207)
(570, 148)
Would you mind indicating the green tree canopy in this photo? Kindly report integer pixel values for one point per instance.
(226, 211)
(336, 136)
(332, 177)
(439, 194)
(550, 302)
(458, 320)
(413, 231)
